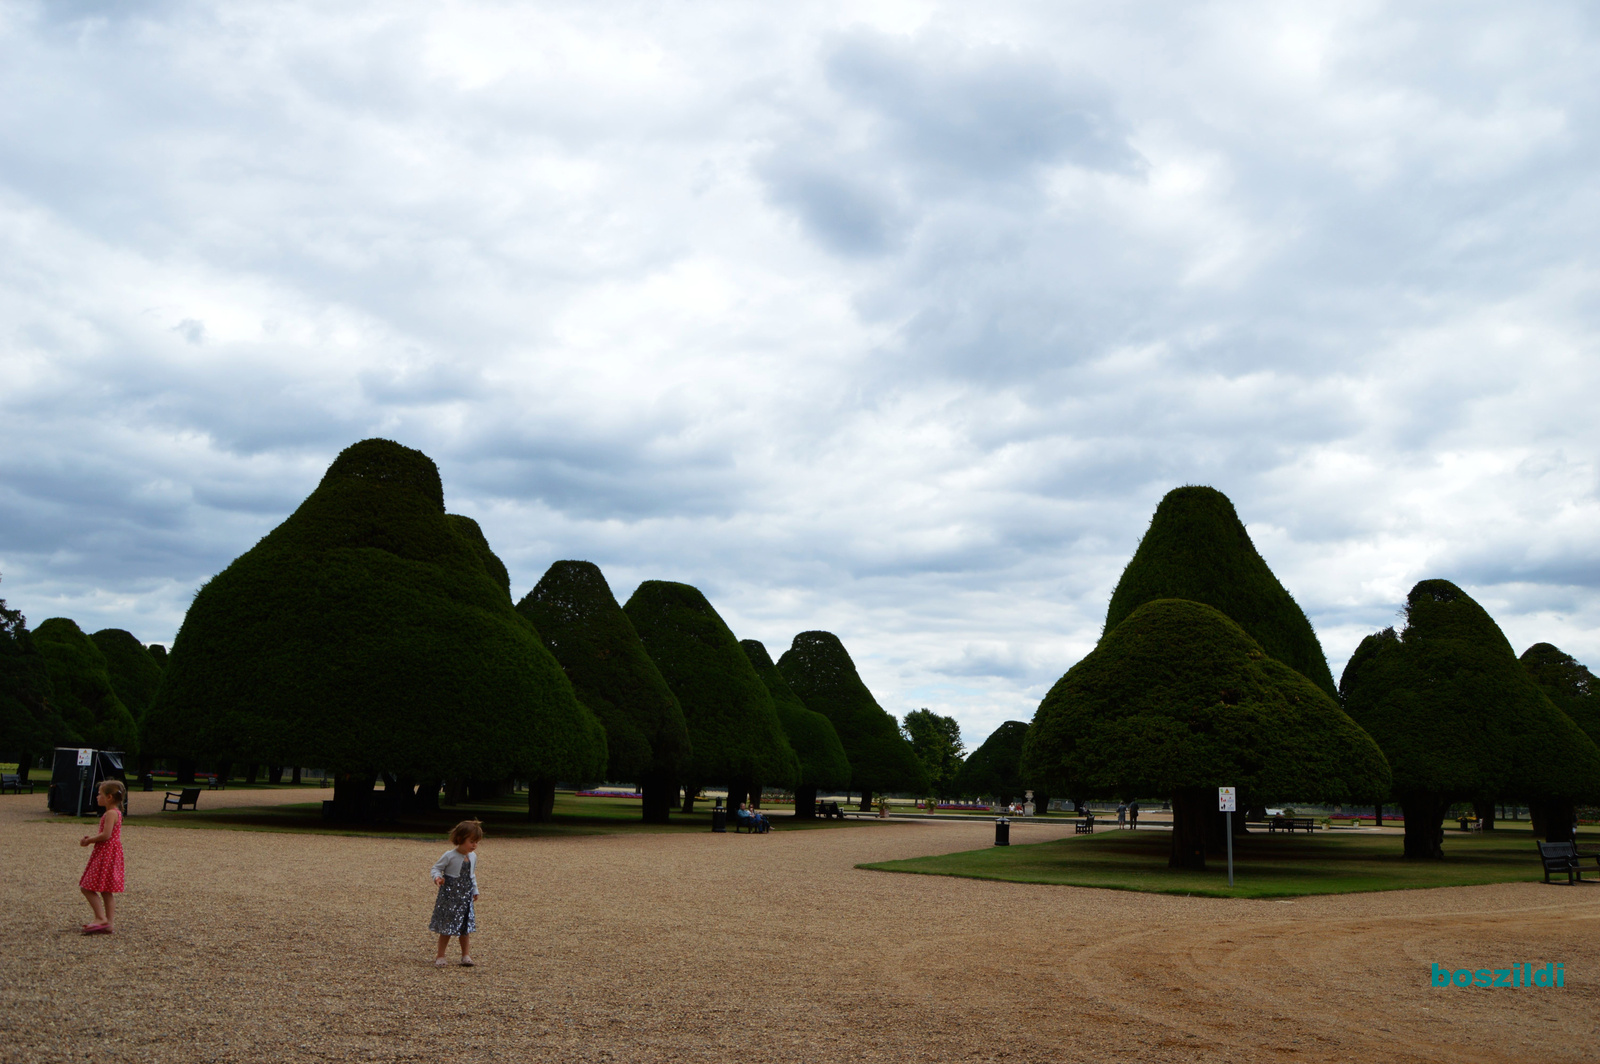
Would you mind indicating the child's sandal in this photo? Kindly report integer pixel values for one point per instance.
(439, 962)
(468, 962)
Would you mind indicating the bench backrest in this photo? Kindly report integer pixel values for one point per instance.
(191, 794)
(1557, 849)
(8, 778)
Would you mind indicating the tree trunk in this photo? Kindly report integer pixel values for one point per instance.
(186, 771)
(296, 779)
(541, 800)
(1485, 811)
(657, 793)
(224, 772)
(1377, 815)
(755, 796)
(1190, 825)
(351, 793)
(275, 775)
(426, 798)
(738, 792)
(689, 792)
(1424, 815)
(805, 803)
(1554, 818)
(1536, 816)
(250, 772)
(25, 762)
(866, 801)
(455, 789)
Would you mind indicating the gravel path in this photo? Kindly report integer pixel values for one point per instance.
(240, 946)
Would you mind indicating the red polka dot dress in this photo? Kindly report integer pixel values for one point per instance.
(104, 874)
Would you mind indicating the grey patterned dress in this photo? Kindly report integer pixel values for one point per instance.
(453, 909)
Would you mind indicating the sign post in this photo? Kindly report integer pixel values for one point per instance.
(1227, 802)
(85, 759)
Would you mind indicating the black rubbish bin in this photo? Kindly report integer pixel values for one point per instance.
(1002, 832)
(719, 819)
(149, 782)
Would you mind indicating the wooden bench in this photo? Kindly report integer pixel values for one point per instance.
(189, 796)
(13, 782)
(1291, 824)
(1560, 858)
(829, 811)
(1084, 826)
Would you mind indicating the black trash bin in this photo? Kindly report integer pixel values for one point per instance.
(719, 819)
(1002, 832)
(148, 781)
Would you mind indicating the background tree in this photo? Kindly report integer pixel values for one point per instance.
(1459, 718)
(648, 738)
(1179, 700)
(135, 674)
(28, 724)
(368, 634)
(811, 735)
(937, 743)
(1567, 684)
(81, 685)
(1196, 548)
(995, 768)
(820, 671)
(734, 734)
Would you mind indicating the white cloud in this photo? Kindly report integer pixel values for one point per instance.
(895, 320)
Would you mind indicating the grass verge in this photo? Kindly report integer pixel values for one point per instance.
(1265, 866)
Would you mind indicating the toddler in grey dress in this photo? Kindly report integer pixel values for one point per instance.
(456, 874)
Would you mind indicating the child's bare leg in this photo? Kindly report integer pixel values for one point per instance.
(444, 941)
(93, 897)
(111, 906)
(465, 952)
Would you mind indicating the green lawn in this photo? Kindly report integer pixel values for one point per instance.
(1265, 866)
(502, 818)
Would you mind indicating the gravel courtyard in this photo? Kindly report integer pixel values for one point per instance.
(244, 946)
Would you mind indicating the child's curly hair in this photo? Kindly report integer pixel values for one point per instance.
(466, 831)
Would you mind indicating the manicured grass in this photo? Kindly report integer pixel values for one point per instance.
(502, 818)
(1265, 866)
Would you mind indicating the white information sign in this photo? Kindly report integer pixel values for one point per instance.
(85, 758)
(1226, 800)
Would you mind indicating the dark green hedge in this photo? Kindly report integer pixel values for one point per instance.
(469, 531)
(1567, 684)
(995, 769)
(734, 733)
(28, 723)
(367, 633)
(1196, 548)
(811, 735)
(574, 610)
(1457, 714)
(820, 671)
(1178, 695)
(135, 673)
(81, 688)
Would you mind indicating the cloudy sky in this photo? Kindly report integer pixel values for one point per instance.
(891, 319)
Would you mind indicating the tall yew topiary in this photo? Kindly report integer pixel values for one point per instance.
(369, 633)
(811, 735)
(1566, 683)
(1179, 700)
(995, 768)
(82, 691)
(28, 724)
(734, 734)
(135, 673)
(1196, 548)
(820, 671)
(1459, 718)
(574, 610)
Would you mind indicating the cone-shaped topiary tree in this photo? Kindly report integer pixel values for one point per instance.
(574, 610)
(367, 634)
(28, 724)
(135, 673)
(81, 685)
(734, 733)
(1179, 700)
(820, 671)
(1566, 683)
(1196, 548)
(811, 735)
(995, 768)
(1459, 718)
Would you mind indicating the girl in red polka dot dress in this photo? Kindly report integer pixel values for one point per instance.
(102, 880)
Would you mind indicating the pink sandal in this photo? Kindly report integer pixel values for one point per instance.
(97, 929)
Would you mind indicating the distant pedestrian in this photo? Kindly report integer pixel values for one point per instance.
(102, 879)
(456, 875)
(1122, 814)
(1133, 815)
